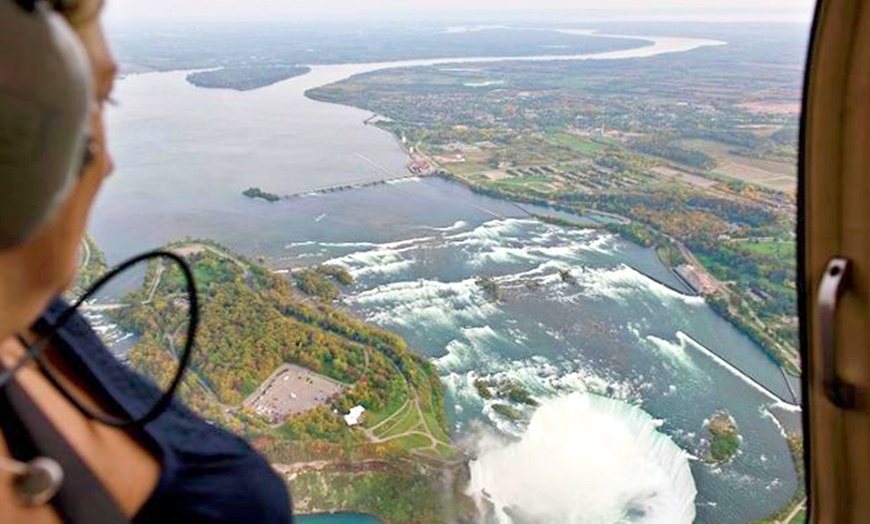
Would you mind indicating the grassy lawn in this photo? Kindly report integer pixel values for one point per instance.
(397, 396)
(399, 417)
(445, 451)
(775, 248)
(524, 181)
(413, 442)
(204, 275)
(466, 168)
(573, 142)
(403, 423)
(534, 183)
(206, 272)
(410, 419)
(435, 428)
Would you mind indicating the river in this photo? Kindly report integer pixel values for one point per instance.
(184, 154)
(653, 362)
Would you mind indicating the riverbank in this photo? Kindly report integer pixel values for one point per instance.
(718, 294)
(329, 363)
(596, 166)
(303, 156)
(733, 305)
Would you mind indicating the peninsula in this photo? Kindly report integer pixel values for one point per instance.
(245, 78)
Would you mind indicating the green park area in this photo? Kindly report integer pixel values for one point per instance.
(253, 322)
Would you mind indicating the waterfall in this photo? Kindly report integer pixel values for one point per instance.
(586, 459)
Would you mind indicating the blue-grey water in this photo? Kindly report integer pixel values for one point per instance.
(626, 331)
(621, 331)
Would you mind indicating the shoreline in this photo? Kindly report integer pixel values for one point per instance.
(373, 183)
(791, 404)
(732, 319)
(646, 46)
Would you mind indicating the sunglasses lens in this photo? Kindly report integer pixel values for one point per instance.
(143, 317)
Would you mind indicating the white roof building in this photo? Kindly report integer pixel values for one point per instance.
(353, 418)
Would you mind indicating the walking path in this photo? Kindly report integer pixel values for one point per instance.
(382, 423)
(421, 428)
(158, 275)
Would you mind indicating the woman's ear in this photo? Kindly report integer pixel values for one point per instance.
(90, 31)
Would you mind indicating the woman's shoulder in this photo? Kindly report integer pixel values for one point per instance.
(114, 382)
(207, 471)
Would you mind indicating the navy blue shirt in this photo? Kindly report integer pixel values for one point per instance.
(208, 475)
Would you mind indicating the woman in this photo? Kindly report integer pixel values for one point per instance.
(177, 468)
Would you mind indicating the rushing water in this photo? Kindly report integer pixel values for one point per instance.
(622, 331)
(642, 476)
(652, 361)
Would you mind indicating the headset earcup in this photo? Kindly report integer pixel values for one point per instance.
(45, 100)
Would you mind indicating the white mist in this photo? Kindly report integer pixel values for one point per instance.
(587, 459)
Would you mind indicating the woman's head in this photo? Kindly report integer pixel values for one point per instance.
(39, 266)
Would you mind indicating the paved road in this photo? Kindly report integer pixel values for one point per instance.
(86, 253)
(794, 513)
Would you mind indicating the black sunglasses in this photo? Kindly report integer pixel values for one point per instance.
(61, 6)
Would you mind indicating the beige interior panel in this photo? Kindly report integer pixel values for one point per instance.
(837, 218)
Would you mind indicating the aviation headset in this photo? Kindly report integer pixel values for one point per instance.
(45, 99)
(46, 94)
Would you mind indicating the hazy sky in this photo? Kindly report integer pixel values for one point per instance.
(785, 10)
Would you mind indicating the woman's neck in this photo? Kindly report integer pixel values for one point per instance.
(21, 302)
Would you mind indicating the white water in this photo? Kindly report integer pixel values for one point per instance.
(642, 344)
(205, 157)
(587, 460)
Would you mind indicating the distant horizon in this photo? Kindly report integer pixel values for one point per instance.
(458, 11)
(542, 23)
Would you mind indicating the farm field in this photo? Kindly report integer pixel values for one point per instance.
(780, 176)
